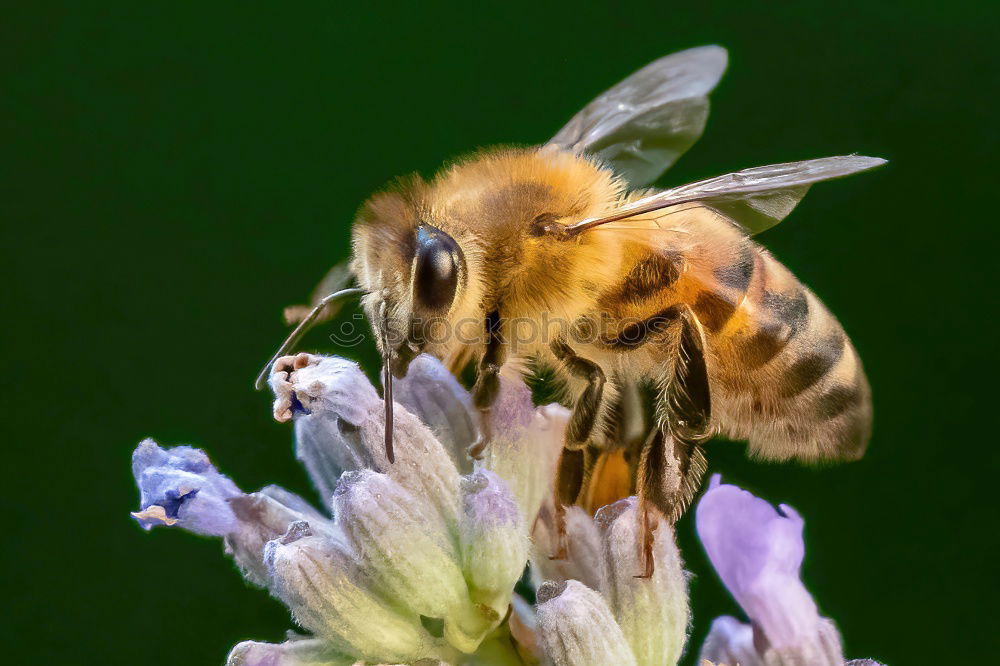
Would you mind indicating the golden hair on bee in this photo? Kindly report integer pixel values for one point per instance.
(556, 256)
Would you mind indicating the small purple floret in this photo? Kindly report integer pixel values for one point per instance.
(180, 485)
(757, 551)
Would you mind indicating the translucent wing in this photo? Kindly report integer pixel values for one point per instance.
(755, 199)
(645, 123)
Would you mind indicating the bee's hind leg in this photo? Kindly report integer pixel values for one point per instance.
(604, 442)
(647, 521)
(571, 471)
(669, 474)
(672, 462)
(577, 472)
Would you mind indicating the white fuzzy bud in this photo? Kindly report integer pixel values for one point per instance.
(576, 627)
(525, 445)
(432, 393)
(583, 548)
(652, 612)
(401, 544)
(340, 426)
(296, 651)
(318, 579)
(494, 539)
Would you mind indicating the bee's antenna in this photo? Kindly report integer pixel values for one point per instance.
(387, 386)
(302, 329)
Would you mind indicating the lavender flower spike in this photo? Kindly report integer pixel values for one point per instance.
(758, 551)
(404, 562)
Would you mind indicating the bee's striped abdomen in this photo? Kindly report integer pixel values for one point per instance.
(782, 372)
(786, 376)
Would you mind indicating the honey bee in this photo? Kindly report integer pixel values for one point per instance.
(625, 287)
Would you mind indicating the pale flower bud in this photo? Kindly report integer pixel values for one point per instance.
(432, 393)
(318, 579)
(262, 518)
(652, 613)
(340, 426)
(576, 627)
(297, 651)
(401, 544)
(494, 540)
(583, 548)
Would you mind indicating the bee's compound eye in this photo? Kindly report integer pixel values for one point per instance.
(438, 262)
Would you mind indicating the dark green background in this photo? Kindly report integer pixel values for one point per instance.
(172, 174)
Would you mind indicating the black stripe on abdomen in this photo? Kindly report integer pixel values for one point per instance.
(783, 316)
(638, 333)
(838, 399)
(791, 309)
(813, 365)
(738, 274)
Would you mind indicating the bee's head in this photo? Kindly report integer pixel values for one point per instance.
(414, 272)
(435, 258)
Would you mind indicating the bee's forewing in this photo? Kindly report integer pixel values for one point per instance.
(755, 199)
(644, 124)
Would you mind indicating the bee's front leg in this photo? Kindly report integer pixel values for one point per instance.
(487, 387)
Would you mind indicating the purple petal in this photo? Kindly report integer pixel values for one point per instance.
(180, 486)
(757, 552)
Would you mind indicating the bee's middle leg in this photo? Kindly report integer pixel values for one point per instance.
(590, 402)
(576, 463)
